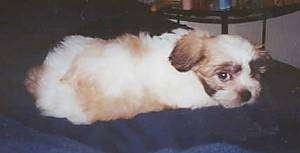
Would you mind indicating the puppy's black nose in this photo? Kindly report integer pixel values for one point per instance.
(245, 95)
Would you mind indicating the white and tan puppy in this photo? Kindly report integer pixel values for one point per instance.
(87, 79)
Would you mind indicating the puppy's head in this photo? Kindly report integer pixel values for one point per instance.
(228, 66)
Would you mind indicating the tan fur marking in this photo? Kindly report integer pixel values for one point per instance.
(33, 77)
(133, 43)
(189, 51)
(99, 107)
(122, 108)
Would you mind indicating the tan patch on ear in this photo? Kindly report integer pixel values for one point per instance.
(33, 78)
(189, 51)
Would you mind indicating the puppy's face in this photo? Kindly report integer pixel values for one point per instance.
(228, 66)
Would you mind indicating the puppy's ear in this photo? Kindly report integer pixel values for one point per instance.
(264, 55)
(267, 59)
(188, 51)
(262, 63)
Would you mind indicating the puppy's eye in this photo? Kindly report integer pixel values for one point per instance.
(224, 76)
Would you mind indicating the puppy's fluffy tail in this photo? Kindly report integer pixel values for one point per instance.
(32, 80)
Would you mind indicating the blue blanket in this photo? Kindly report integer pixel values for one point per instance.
(16, 137)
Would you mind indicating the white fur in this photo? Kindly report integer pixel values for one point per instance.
(113, 67)
(152, 72)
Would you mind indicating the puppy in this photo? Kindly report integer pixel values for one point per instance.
(88, 79)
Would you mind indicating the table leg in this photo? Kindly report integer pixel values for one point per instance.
(264, 31)
(224, 22)
(178, 18)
